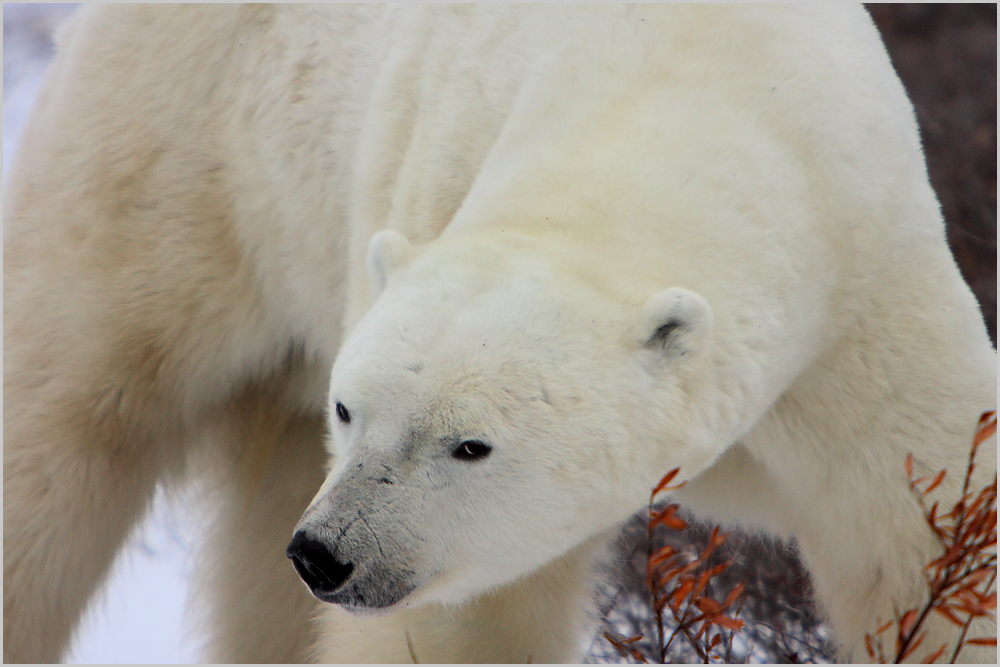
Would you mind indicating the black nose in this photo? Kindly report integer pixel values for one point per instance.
(322, 572)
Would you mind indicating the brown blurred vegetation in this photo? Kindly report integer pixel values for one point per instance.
(946, 56)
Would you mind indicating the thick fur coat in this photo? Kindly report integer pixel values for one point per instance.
(549, 253)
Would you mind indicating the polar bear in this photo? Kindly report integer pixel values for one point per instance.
(548, 253)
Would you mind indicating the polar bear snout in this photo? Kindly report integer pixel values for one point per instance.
(343, 561)
(318, 568)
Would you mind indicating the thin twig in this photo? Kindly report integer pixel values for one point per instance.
(409, 646)
(968, 622)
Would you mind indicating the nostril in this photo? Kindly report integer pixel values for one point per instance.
(317, 567)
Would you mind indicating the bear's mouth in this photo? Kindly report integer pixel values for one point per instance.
(367, 593)
(361, 599)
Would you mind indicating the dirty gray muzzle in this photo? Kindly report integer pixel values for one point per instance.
(348, 548)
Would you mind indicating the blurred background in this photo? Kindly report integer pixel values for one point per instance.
(946, 56)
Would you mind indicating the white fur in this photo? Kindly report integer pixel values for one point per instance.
(385, 250)
(187, 239)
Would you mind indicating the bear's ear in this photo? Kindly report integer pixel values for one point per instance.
(676, 323)
(385, 251)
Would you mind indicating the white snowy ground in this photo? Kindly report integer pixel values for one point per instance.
(139, 616)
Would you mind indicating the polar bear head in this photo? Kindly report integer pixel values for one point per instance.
(491, 411)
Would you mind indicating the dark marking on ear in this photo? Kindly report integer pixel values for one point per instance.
(664, 334)
(415, 368)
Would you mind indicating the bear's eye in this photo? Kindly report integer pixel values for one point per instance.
(342, 414)
(472, 450)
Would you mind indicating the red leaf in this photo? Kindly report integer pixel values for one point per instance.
(936, 482)
(946, 611)
(934, 656)
(990, 601)
(909, 466)
(639, 657)
(982, 641)
(719, 569)
(953, 554)
(664, 554)
(702, 582)
(975, 603)
(977, 577)
(668, 517)
(664, 578)
(912, 647)
(618, 644)
(726, 622)
(932, 515)
(681, 593)
(685, 571)
(868, 645)
(733, 594)
(987, 426)
(623, 648)
(906, 622)
(717, 538)
(665, 481)
(972, 607)
(707, 605)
